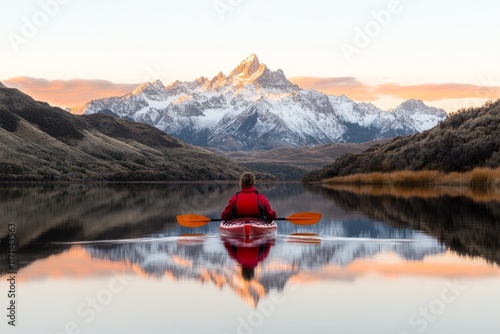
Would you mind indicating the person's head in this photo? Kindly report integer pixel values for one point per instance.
(247, 179)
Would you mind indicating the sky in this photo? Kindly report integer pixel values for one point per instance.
(381, 51)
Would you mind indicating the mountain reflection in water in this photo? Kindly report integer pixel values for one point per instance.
(135, 225)
(339, 244)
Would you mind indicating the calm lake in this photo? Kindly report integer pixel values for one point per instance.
(112, 259)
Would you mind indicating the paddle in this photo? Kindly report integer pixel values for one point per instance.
(299, 218)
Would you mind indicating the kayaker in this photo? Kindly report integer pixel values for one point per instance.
(248, 202)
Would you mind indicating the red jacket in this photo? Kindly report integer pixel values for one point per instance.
(248, 203)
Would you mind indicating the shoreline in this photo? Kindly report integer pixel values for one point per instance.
(479, 185)
(431, 192)
(478, 178)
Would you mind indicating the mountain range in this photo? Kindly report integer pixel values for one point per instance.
(257, 108)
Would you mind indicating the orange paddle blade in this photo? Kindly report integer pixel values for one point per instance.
(304, 218)
(191, 220)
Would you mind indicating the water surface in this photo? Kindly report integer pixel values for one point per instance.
(112, 259)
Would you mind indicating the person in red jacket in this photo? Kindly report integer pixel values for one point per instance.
(248, 202)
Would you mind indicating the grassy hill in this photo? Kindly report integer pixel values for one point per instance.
(465, 140)
(42, 143)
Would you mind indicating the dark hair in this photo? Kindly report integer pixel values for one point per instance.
(247, 273)
(247, 179)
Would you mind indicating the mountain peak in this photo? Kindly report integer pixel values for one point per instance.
(413, 106)
(158, 83)
(218, 81)
(201, 80)
(247, 67)
(153, 90)
(2, 85)
(413, 103)
(148, 85)
(250, 59)
(251, 71)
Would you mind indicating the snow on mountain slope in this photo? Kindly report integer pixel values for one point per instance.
(417, 113)
(256, 108)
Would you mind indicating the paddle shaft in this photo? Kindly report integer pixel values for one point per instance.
(299, 218)
(219, 219)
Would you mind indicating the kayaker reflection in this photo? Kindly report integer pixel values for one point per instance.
(248, 256)
(248, 202)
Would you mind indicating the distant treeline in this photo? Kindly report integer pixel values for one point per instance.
(466, 139)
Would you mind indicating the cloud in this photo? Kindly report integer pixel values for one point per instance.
(349, 86)
(360, 91)
(68, 93)
(77, 92)
(435, 92)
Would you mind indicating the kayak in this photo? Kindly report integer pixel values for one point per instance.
(248, 227)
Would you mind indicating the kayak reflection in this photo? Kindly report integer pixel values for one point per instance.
(248, 252)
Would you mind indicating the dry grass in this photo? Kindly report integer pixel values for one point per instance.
(482, 178)
(486, 178)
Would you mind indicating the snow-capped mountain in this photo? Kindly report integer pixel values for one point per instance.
(256, 108)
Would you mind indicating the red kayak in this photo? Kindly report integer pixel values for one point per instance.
(248, 228)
